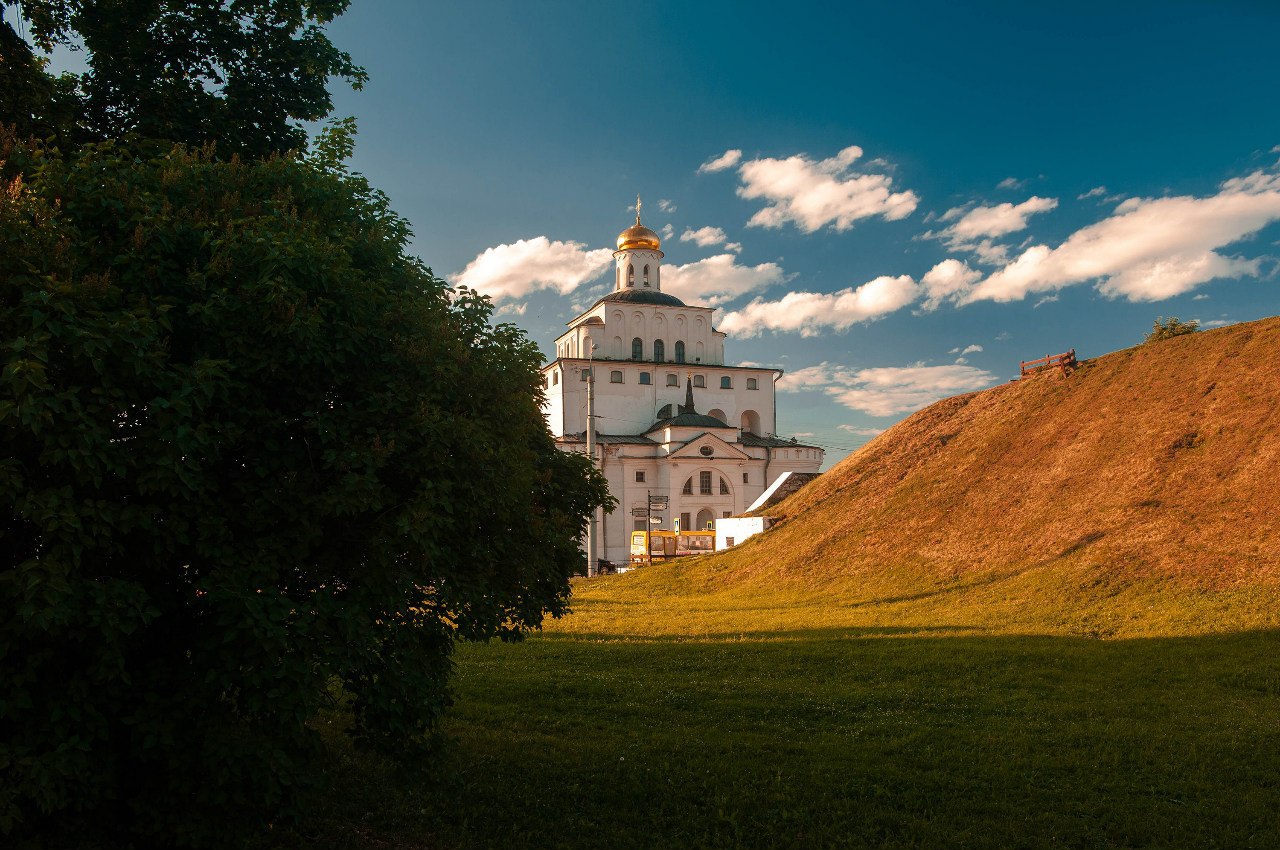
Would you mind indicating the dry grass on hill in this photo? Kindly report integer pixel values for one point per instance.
(1139, 495)
(1159, 460)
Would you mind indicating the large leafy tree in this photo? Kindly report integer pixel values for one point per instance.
(242, 73)
(251, 454)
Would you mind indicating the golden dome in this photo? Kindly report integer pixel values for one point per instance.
(638, 236)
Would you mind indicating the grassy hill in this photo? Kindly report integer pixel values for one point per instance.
(1044, 615)
(1138, 495)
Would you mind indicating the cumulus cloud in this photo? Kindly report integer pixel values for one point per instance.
(810, 313)
(968, 349)
(515, 270)
(947, 281)
(718, 279)
(980, 222)
(862, 432)
(723, 162)
(704, 236)
(667, 231)
(666, 205)
(812, 194)
(1011, 183)
(1148, 249)
(887, 390)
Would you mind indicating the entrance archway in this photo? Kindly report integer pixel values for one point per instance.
(705, 518)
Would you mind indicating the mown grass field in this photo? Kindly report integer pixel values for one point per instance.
(676, 709)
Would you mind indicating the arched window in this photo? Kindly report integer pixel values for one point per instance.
(753, 384)
(659, 350)
(631, 275)
(615, 377)
(751, 422)
(724, 487)
(699, 381)
(664, 412)
(645, 378)
(726, 383)
(672, 380)
(637, 349)
(646, 275)
(717, 413)
(680, 351)
(688, 487)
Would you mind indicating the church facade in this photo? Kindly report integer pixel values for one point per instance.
(672, 419)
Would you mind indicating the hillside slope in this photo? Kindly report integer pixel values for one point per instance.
(1159, 460)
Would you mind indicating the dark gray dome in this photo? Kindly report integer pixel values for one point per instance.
(643, 296)
(690, 420)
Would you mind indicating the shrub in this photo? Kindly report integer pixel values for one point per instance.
(249, 451)
(1163, 328)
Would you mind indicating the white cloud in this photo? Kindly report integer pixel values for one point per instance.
(1095, 192)
(719, 278)
(1011, 183)
(1216, 323)
(666, 205)
(1148, 249)
(887, 390)
(1200, 297)
(947, 280)
(803, 434)
(968, 349)
(972, 225)
(862, 432)
(668, 232)
(816, 193)
(1048, 299)
(704, 236)
(812, 312)
(515, 270)
(724, 161)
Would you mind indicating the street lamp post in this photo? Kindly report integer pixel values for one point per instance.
(592, 565)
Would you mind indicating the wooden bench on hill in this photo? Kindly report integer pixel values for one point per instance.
(1064, 363)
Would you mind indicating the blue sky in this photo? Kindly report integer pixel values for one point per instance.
(1015, 177)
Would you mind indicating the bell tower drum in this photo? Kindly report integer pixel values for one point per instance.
(638, 260)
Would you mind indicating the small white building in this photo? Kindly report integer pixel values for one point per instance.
(731, 531)
(672, 418)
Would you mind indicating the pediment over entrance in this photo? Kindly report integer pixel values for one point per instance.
(719, 449)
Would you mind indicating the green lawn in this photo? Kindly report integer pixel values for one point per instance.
(652, 729)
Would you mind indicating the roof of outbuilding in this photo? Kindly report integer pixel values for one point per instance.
(612, 439)
(772, 442)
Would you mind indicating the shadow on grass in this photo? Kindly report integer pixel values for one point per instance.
(823, 738)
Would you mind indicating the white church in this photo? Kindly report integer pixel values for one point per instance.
(672, 419)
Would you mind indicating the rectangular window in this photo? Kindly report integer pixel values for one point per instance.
(745, 478)
(753, 384)
(586, 374)
(699, 381)
(639, 476)
(704, 483)
(646, 378)
(615, 377)
(685, 522)
(726, 383)
(728, 541)
(673, 381)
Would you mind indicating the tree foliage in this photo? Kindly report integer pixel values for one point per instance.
(241, 72)
(250, 451)
(1163, 328)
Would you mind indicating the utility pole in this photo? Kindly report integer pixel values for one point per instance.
(592, 564)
